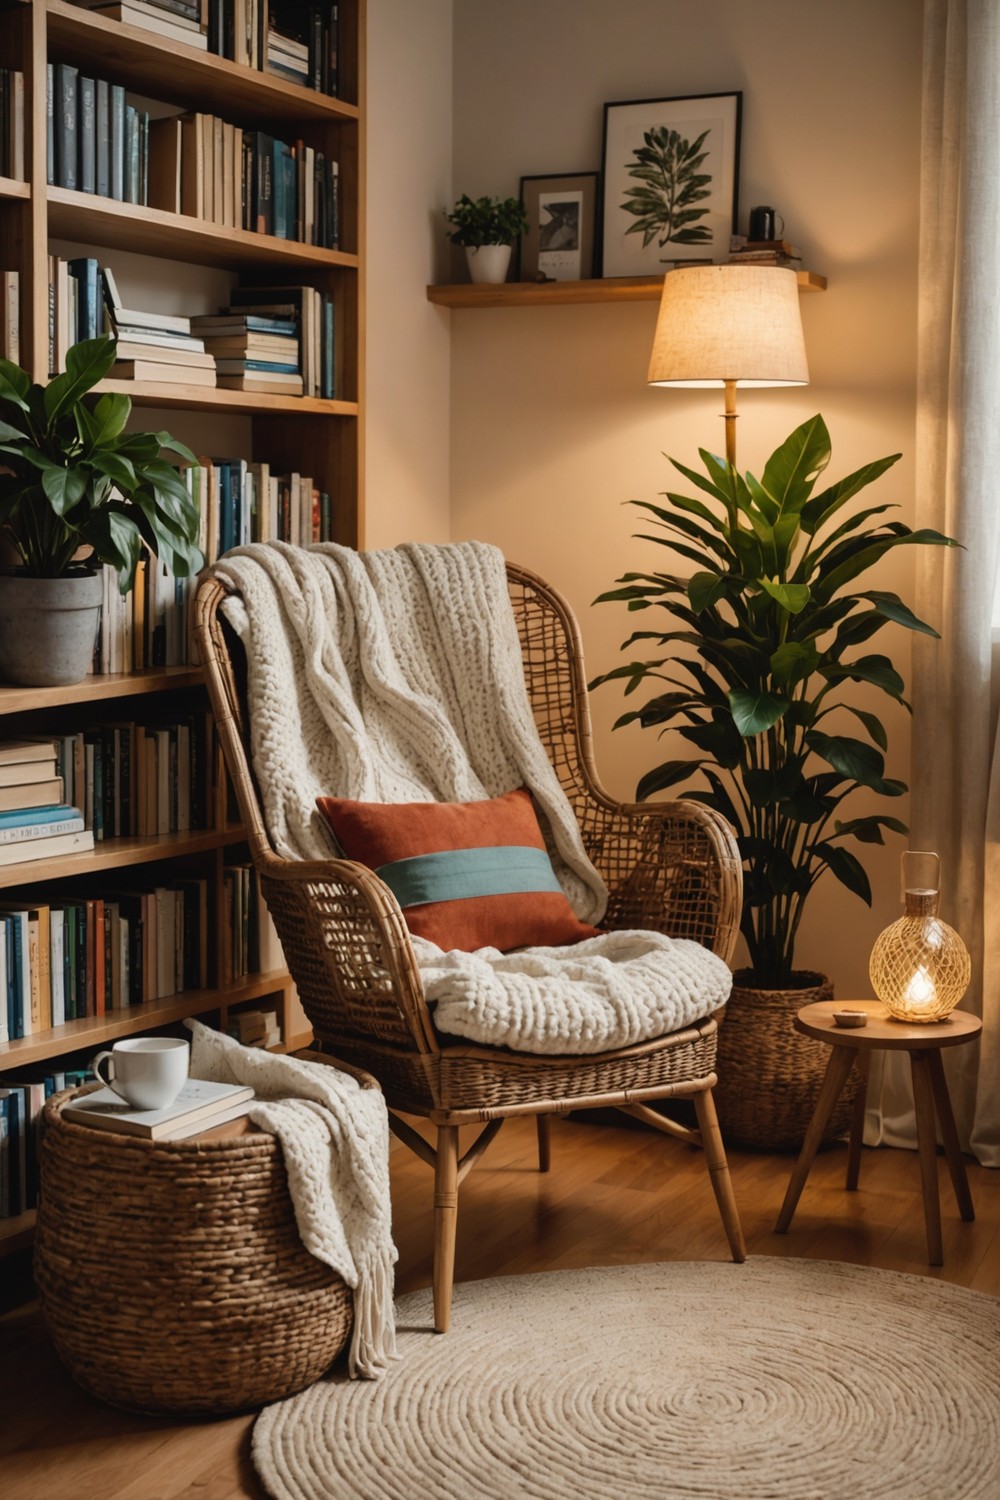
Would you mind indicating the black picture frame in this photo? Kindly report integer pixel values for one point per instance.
(649, 144)
(560, 241)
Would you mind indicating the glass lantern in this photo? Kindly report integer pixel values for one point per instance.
(920, 968)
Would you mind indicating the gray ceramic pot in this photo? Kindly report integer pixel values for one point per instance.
(48, 627)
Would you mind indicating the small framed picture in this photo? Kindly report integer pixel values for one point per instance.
(671, 181)
(562, 214)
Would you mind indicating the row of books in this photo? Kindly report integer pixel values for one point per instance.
(83, 956)
(210, 169)
(134, 780)
(12, 124)
(10, 316)
(243, 502)
(21, 1107)
(148, 627)
(195, 164)
(298, 42)
(36, 821)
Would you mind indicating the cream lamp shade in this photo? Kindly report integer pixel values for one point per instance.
(919, 967)
(729, 326)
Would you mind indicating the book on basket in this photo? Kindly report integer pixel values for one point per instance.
(198, 1101)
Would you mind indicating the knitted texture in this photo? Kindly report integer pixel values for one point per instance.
(606, 992)
(334, 1136)
(397, 677)
(391, 676)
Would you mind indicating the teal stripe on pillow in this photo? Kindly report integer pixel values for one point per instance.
(460, 874)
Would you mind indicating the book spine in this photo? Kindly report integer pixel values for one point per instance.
(66, 125)
(50, 125)
(131, 154)
(117, 93)
(87, 174)
(102, 139)
(328, 384)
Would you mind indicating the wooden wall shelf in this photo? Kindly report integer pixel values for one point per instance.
(200, 398)
(570, 293)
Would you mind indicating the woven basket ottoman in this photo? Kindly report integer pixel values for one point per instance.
(171, 1274)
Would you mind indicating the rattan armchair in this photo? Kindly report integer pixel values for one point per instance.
(672, 867)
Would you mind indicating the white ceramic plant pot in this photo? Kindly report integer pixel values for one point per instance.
(48, 627)
(488, 262)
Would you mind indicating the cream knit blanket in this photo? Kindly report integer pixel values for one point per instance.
(396, 676)
(335, 1140)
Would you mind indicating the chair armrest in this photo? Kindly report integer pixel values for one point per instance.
(348, 950)
(671, 867)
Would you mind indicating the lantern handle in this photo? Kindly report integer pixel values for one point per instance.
(920, 871)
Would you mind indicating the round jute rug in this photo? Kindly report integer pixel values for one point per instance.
(775, 1380)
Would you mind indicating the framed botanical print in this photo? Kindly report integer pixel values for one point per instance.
(562, 216)
(671, 182)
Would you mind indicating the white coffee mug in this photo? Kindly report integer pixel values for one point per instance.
(147, 1071)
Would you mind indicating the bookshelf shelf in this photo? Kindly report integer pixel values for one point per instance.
(97, 1031)
(15, 700)
(571, 293)
(10, 187)
(151, 231)
(285, 433)
(180, 398)
(135, 57)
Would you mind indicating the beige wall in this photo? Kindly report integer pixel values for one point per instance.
(552, 425)
(408, 341)
(537, 425)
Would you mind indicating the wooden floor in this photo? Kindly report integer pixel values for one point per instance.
(615, 1194)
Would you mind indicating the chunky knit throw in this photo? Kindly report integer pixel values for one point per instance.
(396, 676)
(335, 1140)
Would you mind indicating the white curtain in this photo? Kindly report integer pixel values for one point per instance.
(955, 784)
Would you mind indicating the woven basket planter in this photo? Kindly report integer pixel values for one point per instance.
(172, 1276)
(769, 1074)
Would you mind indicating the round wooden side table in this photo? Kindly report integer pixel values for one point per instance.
(925, 1044)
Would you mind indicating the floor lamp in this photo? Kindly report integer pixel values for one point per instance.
(729, 326)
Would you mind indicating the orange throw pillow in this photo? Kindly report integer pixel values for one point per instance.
(467, 875)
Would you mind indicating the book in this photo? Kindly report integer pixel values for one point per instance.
(222, 1117)
(65, 124)
(23, 750)
(236, 323)
(20, 773)
(198, 1100)
(35, 825)
(285, 385)
(150, 18)
(166, 354)
(87, 135)
(34, 794)
(52, 847)
(140, 369)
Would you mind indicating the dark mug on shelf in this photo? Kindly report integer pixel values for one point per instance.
(766, 224)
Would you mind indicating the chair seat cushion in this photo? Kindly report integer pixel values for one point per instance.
(468, 875)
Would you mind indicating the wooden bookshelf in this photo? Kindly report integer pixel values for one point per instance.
(572, 293)
(322, 438)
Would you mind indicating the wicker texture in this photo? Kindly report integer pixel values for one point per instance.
(670, 867)
(769, 1075)
(171, 1275)
(920, 968)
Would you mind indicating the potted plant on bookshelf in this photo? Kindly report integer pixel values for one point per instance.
(487, 227)
(78, 491)
(761, 642)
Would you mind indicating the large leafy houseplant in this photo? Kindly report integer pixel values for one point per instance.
(762, 643)
(76, 479)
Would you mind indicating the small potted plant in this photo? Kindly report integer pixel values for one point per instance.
(77, 491)
(487, 227)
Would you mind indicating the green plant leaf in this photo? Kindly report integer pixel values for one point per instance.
(893, 608)
(64, 487)
(755, 712)
(15, 384)
(852, 758)
(794, 662)
(717, 737)
(86, 363)
(706, 589)
(666, 775)
(791, 596)
(791, 471)
(819, 509)
(847, 869)
(869, 830)
(101, 426)
(874, 725)
(877, 670)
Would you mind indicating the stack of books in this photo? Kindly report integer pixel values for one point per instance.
(253, 352)
(312, 312)
(254, 1028)
(302, 43)
(155, 346)
(744, 252)
(35, 822)
(199, 1106)
(180, 20)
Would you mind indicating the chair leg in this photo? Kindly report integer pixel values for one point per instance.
(543, 1126)
(445, 1223)
(718, 1169)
